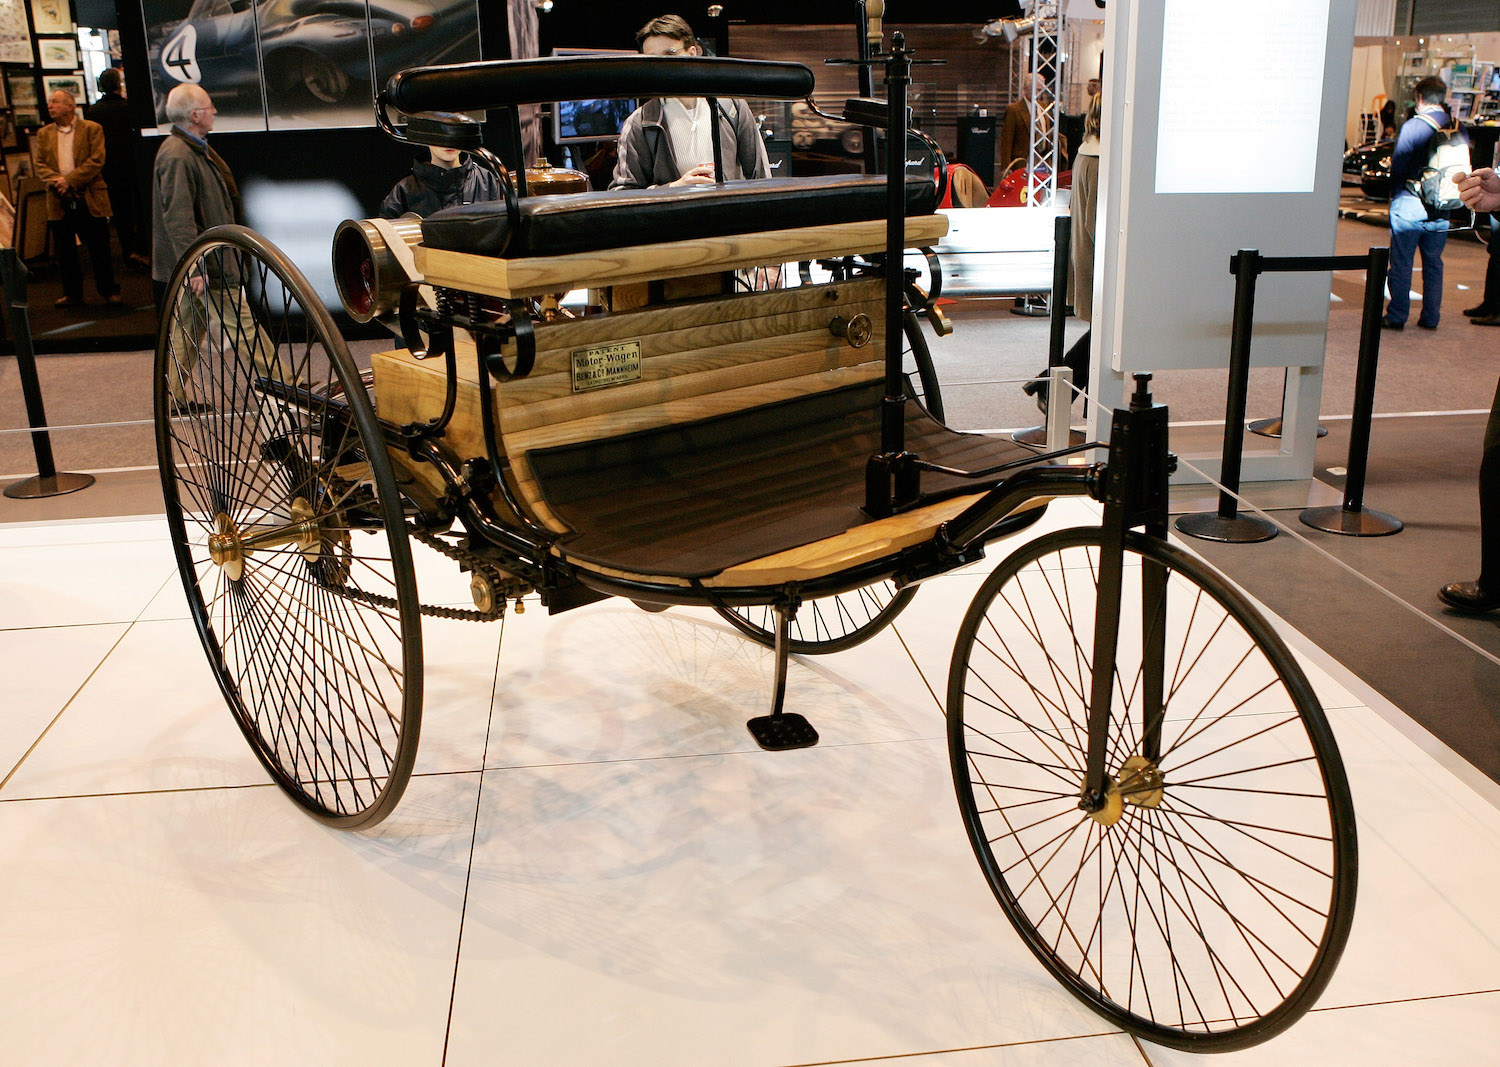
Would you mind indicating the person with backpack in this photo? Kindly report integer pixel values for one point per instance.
(1421, 201)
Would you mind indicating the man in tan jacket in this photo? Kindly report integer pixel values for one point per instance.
(69, 159)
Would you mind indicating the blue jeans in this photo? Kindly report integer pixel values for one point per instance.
(1411, 230)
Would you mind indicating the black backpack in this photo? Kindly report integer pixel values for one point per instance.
(1447, 158)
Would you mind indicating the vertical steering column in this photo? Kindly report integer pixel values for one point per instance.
(891, 477)
(1135, 494)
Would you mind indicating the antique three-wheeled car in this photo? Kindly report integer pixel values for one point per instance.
(1145, 774)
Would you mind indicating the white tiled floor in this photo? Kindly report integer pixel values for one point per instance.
(594, 864)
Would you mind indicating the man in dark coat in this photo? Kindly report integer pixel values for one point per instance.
(192, 191)
(121, 141)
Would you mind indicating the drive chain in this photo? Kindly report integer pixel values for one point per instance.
(436, 611)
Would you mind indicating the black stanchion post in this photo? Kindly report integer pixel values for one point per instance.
(1227, 524)
(1351, 517)
(47, 481)
(1062, 256)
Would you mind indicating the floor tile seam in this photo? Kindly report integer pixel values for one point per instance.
(84, 684)
(896, 1056)
(63, 626)
(111, 541)
(63, 710)
(917, 666)
(1425, 998)
(220, 788)
(82, 520)
(821, 746)
(458, 947)
(165, 791)
(938, 738)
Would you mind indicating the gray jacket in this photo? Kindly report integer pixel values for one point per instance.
(646, 150)
(191, 191)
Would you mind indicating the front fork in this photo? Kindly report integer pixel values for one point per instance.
(1134, 494)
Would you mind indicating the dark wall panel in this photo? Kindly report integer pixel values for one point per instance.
(1447, 16)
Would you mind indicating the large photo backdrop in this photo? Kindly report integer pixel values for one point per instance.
(299, 64)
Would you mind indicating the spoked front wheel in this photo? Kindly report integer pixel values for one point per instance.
(1205, 905)
(288, 528)
(825, 624)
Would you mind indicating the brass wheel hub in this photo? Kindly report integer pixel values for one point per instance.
(1138, 782)
(225, 548)
(229, 546)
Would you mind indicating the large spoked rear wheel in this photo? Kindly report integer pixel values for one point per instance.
(1206, 904)
(825, 624)
(916, 362)
(288, 528)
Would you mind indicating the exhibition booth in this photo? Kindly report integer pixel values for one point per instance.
(534, 588)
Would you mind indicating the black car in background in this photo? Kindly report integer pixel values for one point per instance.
(1375, 178)
(311, 53)
(1364, 157)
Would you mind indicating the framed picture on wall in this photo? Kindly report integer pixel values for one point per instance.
(7, 129)
(58, 53)
(22, 91)
(51, 16)
(72, 83)
(15, 34)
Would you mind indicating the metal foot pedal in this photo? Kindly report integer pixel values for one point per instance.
(785, 730)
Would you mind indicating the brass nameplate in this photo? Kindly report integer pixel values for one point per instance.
(601, 365)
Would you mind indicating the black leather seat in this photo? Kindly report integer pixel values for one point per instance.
(591, 222)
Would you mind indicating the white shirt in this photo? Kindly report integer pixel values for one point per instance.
(689, 132)
(65, 149)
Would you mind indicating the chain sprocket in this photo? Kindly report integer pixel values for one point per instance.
(474, 562)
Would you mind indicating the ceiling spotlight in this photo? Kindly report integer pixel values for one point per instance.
(1010, 29)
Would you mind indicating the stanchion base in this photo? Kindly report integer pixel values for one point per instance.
(1362, 523)
(1036, 437)
(37, 486)
(1238, 530)
(1272, 428)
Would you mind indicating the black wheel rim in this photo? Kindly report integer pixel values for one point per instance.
(916, 362)
(315, 636)
(1212, 911)
(826, 624)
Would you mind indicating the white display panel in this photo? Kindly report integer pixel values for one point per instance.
(1163, 293)
(1241, 96)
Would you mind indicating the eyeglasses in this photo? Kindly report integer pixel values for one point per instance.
(209, 108)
